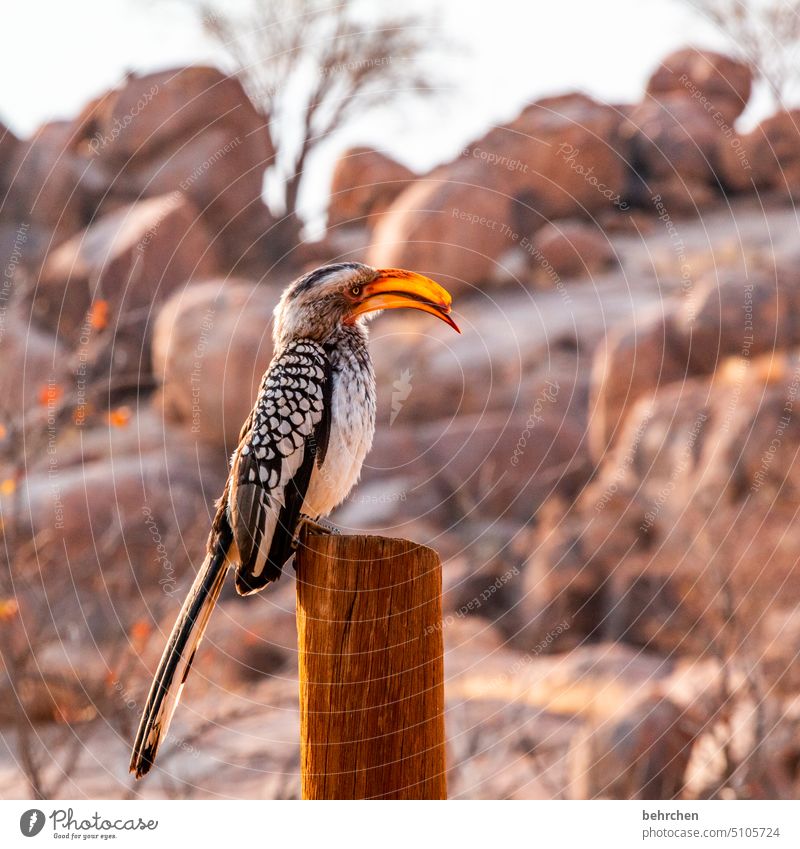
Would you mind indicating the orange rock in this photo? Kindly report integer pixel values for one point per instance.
(97, 290)
(211, 345)
(572, 249)
(768, 157)
(192, 130)
(365, 182)
(559, 158)
(717, 82)
(673, 142)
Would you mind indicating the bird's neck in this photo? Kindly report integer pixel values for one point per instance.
(351, 337)
(348, 336)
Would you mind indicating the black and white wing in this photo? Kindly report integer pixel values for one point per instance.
(272, 466)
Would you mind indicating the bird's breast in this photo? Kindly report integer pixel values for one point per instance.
(352, 429)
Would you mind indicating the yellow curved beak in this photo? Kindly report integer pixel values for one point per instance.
(394, 288)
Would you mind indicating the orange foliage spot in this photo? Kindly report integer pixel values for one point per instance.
(119, 417)
(140, 630)
(9, 608)
(50, 394)
(8, 486)
(98, 315)
(80, 414)
(3, 431)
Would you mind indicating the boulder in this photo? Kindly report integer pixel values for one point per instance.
(738, 313)
(524, 459)
(37, 356)
(766, 158)
(211, 346)
(8, 146)
(249, 641)
(97, 290)
(559, 158)
(673, 143)
(128, 512)
(571, 249)
(642, 752)
(191, 130)
(365, 182)
(737, 316)
(718, 83)
(559, 587)
(445, 226)
(695, 497)
(660, 440)
(50, 184)
(762, 450)
(631, 364)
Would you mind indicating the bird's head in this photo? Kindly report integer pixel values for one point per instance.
(318, 303)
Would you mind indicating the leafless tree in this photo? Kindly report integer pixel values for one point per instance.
(313, 66)
(765, 32)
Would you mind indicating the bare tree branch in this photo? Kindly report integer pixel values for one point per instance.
(766, 33)
(311, 67)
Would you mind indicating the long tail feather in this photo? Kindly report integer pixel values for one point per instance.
(178, 655)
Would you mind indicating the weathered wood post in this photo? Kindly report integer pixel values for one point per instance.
(369, 623)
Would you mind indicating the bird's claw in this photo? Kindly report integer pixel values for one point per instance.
(319, 526)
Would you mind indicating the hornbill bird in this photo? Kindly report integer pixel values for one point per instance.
(299, 454)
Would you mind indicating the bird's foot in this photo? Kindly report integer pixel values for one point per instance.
(308, 525)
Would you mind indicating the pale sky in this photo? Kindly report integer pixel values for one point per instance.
(58, 54)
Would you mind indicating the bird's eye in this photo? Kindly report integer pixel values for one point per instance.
(355, 290)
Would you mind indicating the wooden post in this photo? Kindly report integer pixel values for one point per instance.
(369, 623)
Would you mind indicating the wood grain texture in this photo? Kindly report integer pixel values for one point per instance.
(369, 623)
